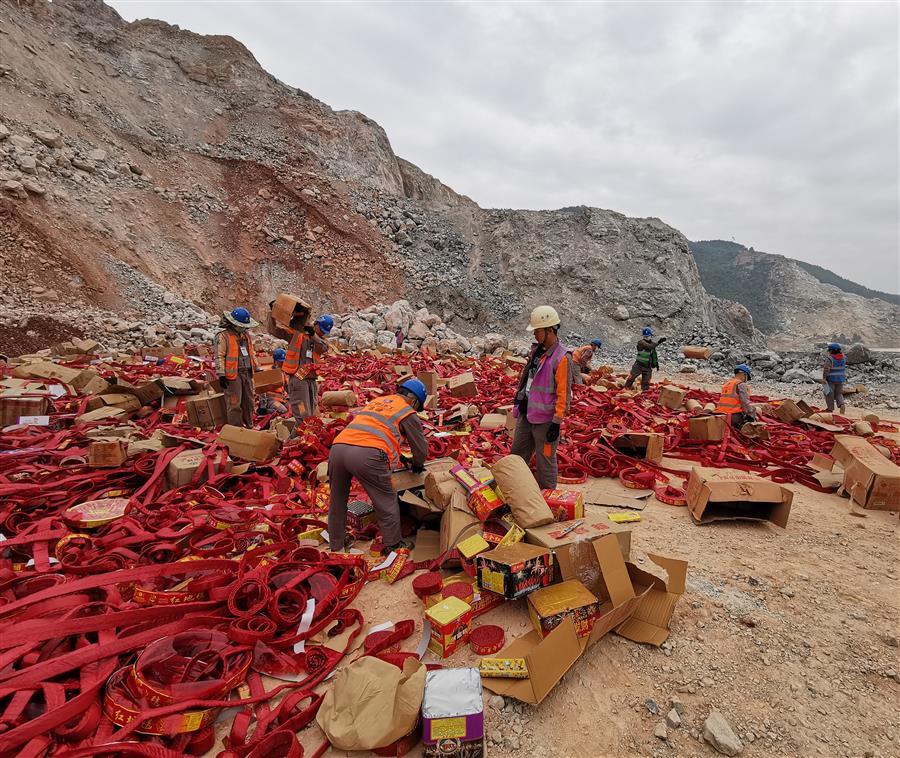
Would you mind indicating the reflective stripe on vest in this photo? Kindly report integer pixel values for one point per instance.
(542, 395)
(292, 354)
(232, 353)
(838, 371)
(378, 426)
(644, 357)
(729, 402)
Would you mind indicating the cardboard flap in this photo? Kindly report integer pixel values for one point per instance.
(638, 630)
(548, 660)
(613, 570)
(676, 570)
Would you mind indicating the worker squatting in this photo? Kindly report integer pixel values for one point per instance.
(369, 447)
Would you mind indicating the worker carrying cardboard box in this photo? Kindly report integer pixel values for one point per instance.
(543, 396)
(235, 364)
(305, 347)
(834, 374)
(273, 401)
(581, 360)
(646, 359)
(369, 449)
(735, 398)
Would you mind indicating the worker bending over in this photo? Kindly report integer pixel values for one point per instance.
(273, 400)
(235, 364)
(542, 397)
(369, 449)
(304, 349)
(735, 398)
(581, 360)
(646, 360)
(834, 374)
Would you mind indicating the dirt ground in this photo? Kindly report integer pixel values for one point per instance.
(792, 635)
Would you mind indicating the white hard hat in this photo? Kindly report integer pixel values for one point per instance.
(542, 317)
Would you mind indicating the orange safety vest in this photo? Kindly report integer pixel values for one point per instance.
(580, 353)
(378, 426)
(232, 351)
(729, 402)
(300, 343)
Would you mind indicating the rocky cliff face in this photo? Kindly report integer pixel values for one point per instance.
(789, 304)
(140, 159)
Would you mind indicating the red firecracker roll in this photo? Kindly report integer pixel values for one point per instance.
(462, 590)
(487, 639)
(429, 583)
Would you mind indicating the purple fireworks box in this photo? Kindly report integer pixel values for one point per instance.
(453, 714)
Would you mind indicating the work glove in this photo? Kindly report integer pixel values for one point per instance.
(661, 340)
(553, 432)
(417, 468)
(223, 382)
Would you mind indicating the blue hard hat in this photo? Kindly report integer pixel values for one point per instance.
(742, 367)
(325, 323)
(834, 347)
(647, 331)
(415, 388)
(241, 315)
(279, 354)
(596, 343)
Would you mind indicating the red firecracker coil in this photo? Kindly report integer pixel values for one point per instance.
(670, 495)
(429, 583)
(463, 590)
(487, 639)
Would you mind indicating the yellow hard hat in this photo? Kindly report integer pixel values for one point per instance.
(542, 317)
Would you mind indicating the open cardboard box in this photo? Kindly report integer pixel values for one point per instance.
(870, 479)
(248, 444)
(726, 495)
(287, 312)
(646, 445)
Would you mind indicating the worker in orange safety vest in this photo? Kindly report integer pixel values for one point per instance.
(235, 363)
(304, 349)
(735, 398)
(369, 449)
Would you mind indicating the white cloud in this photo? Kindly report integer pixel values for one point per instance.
(773, 123)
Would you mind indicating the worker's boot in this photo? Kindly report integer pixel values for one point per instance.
(843, 410)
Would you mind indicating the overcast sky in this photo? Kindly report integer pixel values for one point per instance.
(773, 123)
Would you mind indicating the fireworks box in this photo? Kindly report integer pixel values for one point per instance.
(550, 605)
(13, 408)
(515, 570)
(287, 312)
(671, 397)
(450, 621)
(106, 454)
(207, 411)
(482, 600)
(645, 445)
(472, 481)
(710, 428)
(360, 514)
(484, 501)
(462, 385)
(453, 714)
(565, 504)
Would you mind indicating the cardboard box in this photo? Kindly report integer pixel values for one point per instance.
(484, 501)
(100, 414)
(671, 397)
(725, 495)
(14, 408)
(515, 570)
(126, 402)
(451, 621)
(404, 479)
(97, 385)
(565, 504)
(163, 352)
(789, 411)
(179, 385)
(755, 430)
(207, 411)
(76, 378)
(870, 479)
(547, 659)
(548, 607)
(430, 380)
(288, 312)
(696, 352)
(648, 446)
(108, 454)
(453, 714)
(711, 428)
(462, 385)
(649, 622)
(269, 380)
(182, 467)
(492, 421)
(573, 552)
(248, 444)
